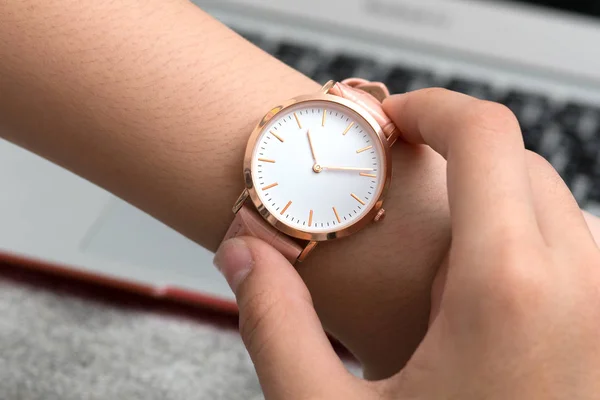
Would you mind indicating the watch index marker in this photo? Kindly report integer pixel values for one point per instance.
(266, 160)
(324, 117)
(336, 215)
(357, 198)
(348, 128)
(276, 135)
(298, 121)
(286, 207)
(369, 175)
(310, 216)
(364, 149)
(272, 185)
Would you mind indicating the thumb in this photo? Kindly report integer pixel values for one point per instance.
(278, 323)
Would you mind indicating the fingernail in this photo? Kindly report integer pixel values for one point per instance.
(234, 260)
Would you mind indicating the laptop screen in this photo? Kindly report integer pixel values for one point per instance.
(585, 7)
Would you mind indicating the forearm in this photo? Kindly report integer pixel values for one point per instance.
(152, 100)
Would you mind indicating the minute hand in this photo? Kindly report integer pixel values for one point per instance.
(348, 169)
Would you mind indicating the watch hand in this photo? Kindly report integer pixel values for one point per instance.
(348, 169)
(316, 167)
(312, 149)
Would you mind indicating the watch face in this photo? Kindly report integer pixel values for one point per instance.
(318, 167)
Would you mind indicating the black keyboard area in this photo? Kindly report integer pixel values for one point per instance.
(566, 134)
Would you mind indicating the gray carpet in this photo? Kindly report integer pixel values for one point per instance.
(57, 346)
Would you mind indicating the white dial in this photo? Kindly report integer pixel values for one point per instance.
(318, 167)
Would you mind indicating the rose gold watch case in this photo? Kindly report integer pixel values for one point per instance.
(318, 236)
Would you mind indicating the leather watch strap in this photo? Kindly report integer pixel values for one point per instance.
(248, 222)
(369, 96)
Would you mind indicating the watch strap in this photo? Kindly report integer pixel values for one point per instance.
(248, 222)
(369, 95)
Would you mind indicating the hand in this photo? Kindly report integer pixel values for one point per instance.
(515, 313)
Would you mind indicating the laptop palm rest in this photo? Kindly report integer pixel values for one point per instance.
(126, 235)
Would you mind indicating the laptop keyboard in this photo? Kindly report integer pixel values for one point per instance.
(567, 135)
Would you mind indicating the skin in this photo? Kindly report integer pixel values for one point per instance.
(530, 262)
(149, 99)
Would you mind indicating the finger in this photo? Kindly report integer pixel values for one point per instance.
(559, 217)
(488, 184)
(279, 326)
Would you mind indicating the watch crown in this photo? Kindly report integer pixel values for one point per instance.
(380, 215)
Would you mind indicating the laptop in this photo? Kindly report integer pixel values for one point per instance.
(537, 57)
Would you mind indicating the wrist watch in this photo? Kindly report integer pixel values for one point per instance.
(317, 168)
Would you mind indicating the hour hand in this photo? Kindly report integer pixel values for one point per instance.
(312, 148)
(316, 167)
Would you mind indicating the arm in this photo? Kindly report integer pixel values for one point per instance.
(154, 100)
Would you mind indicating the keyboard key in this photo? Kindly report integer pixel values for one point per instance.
(290, 53)
(481, 90)
(562, 151)
(580, 120)
(590, 156)
(551, 140)
(581, 187)
(530, 109)
(589, 126)
(345, 66)
(342, 66)
(591, 166)
(533, 136)
(569, 116)
(421, 82)
(405, 79)
(257, 39)
(399, 78)
(302, 58)
(593, 198)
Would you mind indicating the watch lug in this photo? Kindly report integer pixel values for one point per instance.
(327, 86)
(307, 249)
(240, 201)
